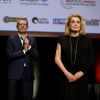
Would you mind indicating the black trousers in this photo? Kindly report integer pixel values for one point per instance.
(15, 86)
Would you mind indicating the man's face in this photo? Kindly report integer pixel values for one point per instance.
(22, 26)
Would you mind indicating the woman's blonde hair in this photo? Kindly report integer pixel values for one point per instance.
(67, 29)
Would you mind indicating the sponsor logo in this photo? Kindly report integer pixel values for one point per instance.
(93, 22)
(44, 0)
(8, 19)
(34, 2)
(5, 1)
(37, 20)
(59, 21)
(68, 4)
(30, 0)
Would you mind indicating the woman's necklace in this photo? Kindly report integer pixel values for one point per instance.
(71, 50)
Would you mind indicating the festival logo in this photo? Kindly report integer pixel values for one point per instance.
(68, 4)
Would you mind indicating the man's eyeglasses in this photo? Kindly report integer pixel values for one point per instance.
(22, 24)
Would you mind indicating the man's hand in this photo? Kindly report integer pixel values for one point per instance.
(26, 44)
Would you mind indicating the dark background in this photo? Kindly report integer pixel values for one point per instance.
(49, 72)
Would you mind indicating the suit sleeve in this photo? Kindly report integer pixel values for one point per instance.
(33, 52)
(12, 51)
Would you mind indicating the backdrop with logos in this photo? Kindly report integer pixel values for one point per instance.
(49, 15)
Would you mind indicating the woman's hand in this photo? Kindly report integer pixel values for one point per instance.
(70, 77)
(78, 75)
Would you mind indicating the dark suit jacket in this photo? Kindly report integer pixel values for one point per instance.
(17, 58)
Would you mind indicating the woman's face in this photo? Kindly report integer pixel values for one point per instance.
(75, 24)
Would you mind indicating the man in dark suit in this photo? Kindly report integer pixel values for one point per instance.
(22, 52)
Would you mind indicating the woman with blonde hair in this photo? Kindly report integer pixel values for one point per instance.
(74, 57)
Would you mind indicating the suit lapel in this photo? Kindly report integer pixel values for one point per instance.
(18, 41)
(30, 40)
